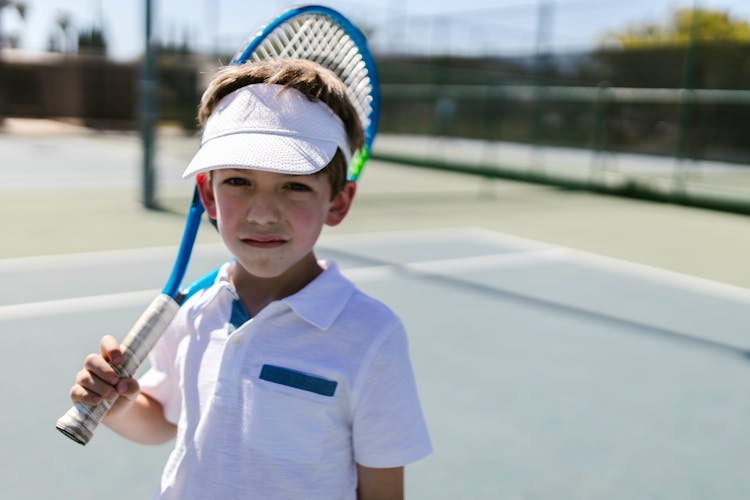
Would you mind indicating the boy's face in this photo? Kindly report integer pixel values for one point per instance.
(270, 221)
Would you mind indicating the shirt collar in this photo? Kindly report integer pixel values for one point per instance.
(319, 303)
(324, 298)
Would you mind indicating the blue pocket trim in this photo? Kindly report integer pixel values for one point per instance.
(298, 380)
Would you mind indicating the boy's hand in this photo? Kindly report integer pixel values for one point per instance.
(98, 381)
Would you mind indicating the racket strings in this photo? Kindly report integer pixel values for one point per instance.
(315, 38)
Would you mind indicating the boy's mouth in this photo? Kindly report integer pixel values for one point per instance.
(262, 241)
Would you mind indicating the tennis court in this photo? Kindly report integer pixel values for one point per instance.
(544, 371)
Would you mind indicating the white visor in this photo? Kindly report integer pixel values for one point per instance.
(272, 128)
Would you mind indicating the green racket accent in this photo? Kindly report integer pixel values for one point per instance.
(358, 162)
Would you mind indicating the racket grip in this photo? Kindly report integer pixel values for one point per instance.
(81, 420)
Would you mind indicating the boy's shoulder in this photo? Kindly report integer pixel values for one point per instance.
(206, 303)
(347, 303)
(368, 309)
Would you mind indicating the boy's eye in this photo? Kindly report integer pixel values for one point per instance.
(236, 181)
(298, 186)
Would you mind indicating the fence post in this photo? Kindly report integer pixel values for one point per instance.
(148, 115)
(599, 136)
(687, 104)
(541, 63)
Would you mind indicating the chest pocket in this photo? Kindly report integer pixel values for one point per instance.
(293, 415)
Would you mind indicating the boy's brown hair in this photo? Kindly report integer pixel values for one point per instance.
(312, 80)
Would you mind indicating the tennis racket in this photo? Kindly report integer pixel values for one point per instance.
(315, 33)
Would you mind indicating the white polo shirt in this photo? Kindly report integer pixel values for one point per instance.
(283, 405)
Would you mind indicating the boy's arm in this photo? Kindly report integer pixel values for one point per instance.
(380, 484)
(142, 421)
(134, 415)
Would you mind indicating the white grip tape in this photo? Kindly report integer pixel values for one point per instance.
(81, 420)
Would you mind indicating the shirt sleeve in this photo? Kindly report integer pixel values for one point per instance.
(388, 427)
(161, 380)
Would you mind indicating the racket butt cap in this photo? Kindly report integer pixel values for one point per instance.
(72, 434)
(79, 423)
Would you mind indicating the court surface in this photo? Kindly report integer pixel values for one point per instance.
(544, 372)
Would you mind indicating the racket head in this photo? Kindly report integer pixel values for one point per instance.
(323, 35)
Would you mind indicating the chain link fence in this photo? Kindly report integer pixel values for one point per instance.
(539, 89)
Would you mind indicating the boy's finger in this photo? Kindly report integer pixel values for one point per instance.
(111, 349)
(128, 387)
(80, 395)
(98, 366)
(94, 385)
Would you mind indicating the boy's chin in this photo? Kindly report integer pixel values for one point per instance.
(276, 270)
(256, 271)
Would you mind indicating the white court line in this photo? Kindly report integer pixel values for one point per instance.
(619, 266)
(87, 259)
(357, 274)
(429, 235)
(497, 261)
(450, 266)
(609, 264)
(532, 252)
(77, 304)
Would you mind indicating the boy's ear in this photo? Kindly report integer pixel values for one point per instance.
(341, 204)
(207, 195)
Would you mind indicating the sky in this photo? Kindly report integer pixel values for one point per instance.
(431, 25)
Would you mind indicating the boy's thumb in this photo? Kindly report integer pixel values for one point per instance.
(128, 387)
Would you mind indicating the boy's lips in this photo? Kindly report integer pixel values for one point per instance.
(264, 241)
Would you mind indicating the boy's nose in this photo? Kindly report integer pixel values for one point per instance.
(263, 210)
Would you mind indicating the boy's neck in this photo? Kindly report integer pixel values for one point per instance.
(256, 293)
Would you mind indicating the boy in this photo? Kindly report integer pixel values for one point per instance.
(282, 380)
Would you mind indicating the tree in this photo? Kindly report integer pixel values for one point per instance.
(20, 7)
(62, 38)
(92, 42)
(702, 25)
(694, 49)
